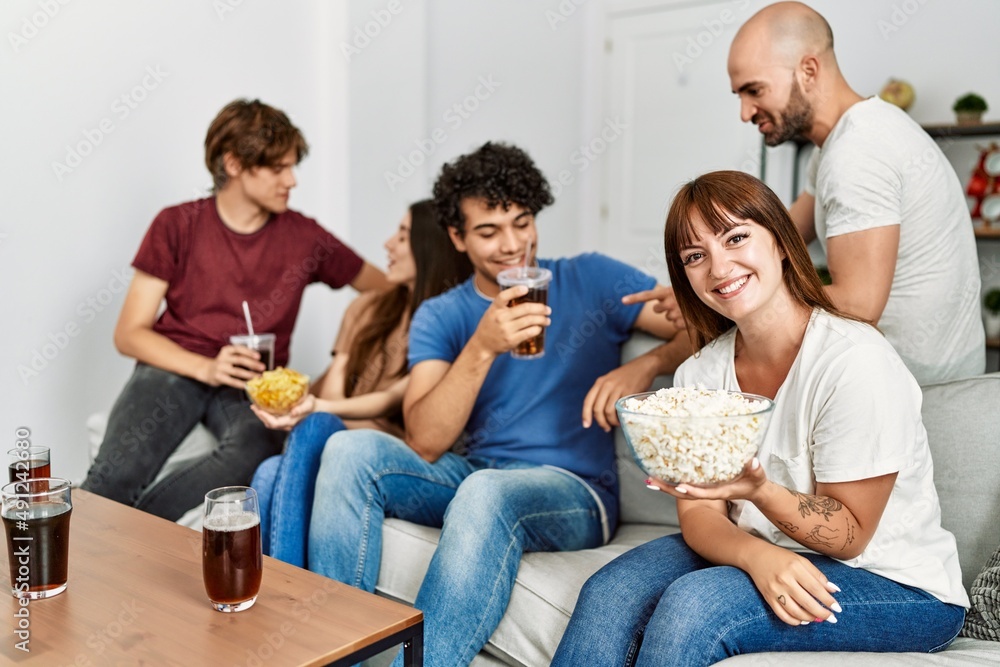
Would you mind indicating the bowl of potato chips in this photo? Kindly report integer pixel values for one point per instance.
(278, 390)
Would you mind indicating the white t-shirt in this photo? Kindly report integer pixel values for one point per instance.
(848, 410)
(877, 168)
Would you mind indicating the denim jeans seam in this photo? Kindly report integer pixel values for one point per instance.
(276, 505)
(470, 649)
(367, 514)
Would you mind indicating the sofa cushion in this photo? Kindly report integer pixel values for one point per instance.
(962, 418)
(963, 652)
(544, 593)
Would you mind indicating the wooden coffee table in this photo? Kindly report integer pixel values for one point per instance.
(135, 596)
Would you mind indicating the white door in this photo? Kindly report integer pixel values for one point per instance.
(667, 82)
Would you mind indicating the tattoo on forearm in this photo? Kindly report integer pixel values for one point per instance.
(821, 535)
(850, 535)
(821, 505)
(788, 527)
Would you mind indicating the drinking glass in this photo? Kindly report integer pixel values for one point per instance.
(28, 463)
(232, 562)
(36, 515)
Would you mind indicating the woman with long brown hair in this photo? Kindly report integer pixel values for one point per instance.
(830, 539)
(364, 385)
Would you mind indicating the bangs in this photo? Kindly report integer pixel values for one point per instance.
(688, 205)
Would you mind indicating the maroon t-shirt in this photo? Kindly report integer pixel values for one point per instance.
(211, 270)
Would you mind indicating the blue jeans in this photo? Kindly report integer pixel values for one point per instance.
(285, 487)
(662, 604)
(490, 512)
(154, 413)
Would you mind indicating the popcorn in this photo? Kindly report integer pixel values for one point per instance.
(694, 435)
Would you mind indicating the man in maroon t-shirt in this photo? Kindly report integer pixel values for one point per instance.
(204, 258)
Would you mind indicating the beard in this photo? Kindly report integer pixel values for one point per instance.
(796, 119)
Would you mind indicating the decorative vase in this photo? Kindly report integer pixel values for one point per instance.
(969, 117)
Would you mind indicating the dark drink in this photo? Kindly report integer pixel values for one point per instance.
(533, 347)
(232, 563)
(537, 281)
(267, 358)
(21, 471)
(38, 548)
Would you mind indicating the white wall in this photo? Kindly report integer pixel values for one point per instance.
(528, 73)
(66, 238)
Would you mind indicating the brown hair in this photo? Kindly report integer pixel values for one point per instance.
(256, 134)
(439, 268)
(721, 198)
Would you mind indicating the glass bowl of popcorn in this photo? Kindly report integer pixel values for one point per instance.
(696, 436)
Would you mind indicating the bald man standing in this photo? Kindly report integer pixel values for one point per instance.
(880, 196)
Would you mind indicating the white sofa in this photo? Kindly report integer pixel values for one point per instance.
(963, 424)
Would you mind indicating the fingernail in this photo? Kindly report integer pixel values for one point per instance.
(832, 587)
(803, 622)
(831, 619)
(649, 485)
(680, 489)
(836, 607)
(754, 464)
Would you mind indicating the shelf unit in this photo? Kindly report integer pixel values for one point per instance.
(945, 131)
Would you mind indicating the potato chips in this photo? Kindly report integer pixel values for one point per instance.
(278, 390)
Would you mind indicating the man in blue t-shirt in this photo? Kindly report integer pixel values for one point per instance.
(536, 475)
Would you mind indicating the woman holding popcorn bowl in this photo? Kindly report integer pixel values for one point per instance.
(830, 539)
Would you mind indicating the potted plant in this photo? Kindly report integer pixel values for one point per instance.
(991, 316)
(969, 109)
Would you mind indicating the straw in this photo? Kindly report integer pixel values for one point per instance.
(246, 312)
(527, 259)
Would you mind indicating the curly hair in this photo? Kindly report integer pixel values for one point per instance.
(256, 134)
(499, 174)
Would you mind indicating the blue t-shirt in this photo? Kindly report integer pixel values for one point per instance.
(529, 410)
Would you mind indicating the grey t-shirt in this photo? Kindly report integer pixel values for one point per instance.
(877, 168)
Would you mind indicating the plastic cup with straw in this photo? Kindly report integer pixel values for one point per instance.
(537, 280)
(262, 343)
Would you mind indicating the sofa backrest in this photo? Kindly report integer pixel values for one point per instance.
(962, 418)
(637, 504)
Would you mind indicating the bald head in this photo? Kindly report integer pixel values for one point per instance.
(783, 33)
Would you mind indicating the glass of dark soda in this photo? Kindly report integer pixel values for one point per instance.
(28, 463)
(36, 515)
(232, 561)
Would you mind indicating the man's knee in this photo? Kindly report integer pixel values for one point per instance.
(483, 498)
(358, 450)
